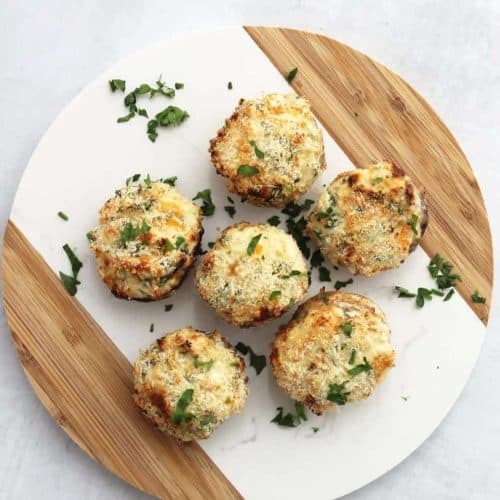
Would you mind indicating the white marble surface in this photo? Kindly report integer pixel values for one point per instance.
(448, 50)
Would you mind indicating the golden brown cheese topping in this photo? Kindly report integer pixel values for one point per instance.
(335, 350)
(147, 238)
(270, 150)
(369, 220)
(188, 382)
(253, 273)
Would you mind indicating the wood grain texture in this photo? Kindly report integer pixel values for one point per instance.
(86, 383)
(374, 115)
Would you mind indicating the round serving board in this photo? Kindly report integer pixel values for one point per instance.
(76, 351)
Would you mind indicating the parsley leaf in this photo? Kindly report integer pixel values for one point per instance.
(253, 243)
(133, 178)
(274, 220)
(257, 361)
(168, 307)
(126, 118)
(290, 420)
(180, 415)
(324, 274)
(423, 294)
(71, 282)
(441, 271)
(230, 210)
(211, 244)
(247, 171)
(478, 299)
(315, 429)
(179, 242)
(291, 75)
(449, 295)
(203, 364)
(413, 223)
(363, 367)
(208, 207)
(403, 292)
(258, 153)
(207, 419)
(352, 358)
(292, 274)
(347, 328)
(276, 294)
(337, 394)
(342, 284)
(76, 263)
(171, 116)
(168, 246)
(152, 327)
(117, 84)
(317, 258)
(170, 180)
(63, 216)
(131, 232)
(178, 85)
(151, 130)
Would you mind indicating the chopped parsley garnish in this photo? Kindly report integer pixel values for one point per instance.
(131, 232)
(352, 358)
(203, 364)
(292, 274)
(90, 236)
(363, 367)
(342, 284)
(180, 415)
(404, 398)
(315, 429)
(126, 118)
(117, 84)
(323, 296)
(276, 294)
(178, 85)
(63, 216)
(274, 220)
(423, 294)
(168, 246)
(317, 258)
(413, 223)
(133, 178)
(346, 328)
(403, 292)
(170, 180)
(253, 243)
(230, 210)
(71, 282)
(324, 274)
(168, 307)
(179, 242)
(171, 115)
(208, 207)
(258, 153)
(337, 394)
(230, 85)
(449, 295)
(441, 272)
(258, 361)
(148, 181)
(291, 75)
(296, 226)
(478, 299)
(211, 244)
(247, 171)
(207, 419)
(152, 327)
(76, 263)
(290, 420)
(439, 293)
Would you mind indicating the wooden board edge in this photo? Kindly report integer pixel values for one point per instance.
(276, 44)
(85, 383)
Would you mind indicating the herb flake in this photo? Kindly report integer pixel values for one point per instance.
(258, 361)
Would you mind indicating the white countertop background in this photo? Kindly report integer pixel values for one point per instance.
(448, 50)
